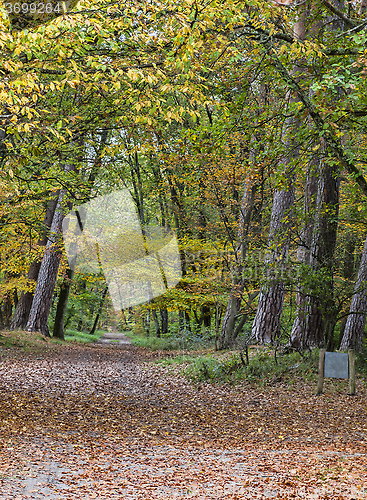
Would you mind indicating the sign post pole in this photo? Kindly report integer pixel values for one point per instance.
(352, 372)
(320, 381)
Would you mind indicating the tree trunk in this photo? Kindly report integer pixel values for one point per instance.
(227, 334)
(94, 327)
(297, 339)
(266, 325)
(6, 307)
(321, 311)
(355, 325)
(21, 313)
(146, 323)
(164, 320)
(348, 271)
(41, 304)
(156, 323)
(62, 303)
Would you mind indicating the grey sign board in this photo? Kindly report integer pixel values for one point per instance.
(336, 365)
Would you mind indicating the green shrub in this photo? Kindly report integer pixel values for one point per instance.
(263, 368)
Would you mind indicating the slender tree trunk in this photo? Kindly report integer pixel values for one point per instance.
(21, 313)
(58, 330)
(41, 305)
(94, 327)
(348, 270)
(227, 336)
(137, 185)
(164, 320)
(156, 323)
(355, 325)
(146, 322)
(297, 339)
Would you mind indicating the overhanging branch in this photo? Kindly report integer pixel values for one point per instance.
(322, 127)
(349, 22)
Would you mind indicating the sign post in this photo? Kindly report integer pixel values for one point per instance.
(337, 365)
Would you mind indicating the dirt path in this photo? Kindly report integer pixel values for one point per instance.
(113, 338)
(101, 422)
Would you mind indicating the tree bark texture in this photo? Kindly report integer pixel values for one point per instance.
(266, 324)
(355, 325)
(58, 330)
(41, 304)
(320, 309)
(21, 314)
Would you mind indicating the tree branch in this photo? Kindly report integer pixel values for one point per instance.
(349, 22)
(322, 127)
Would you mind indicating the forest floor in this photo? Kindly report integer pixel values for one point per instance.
(103, 421)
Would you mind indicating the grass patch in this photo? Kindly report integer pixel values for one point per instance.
(163, 343)
(169, 342)
(181, 359)
(76, 336)
(25, 342)
(18, 342)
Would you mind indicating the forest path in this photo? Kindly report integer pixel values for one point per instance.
(114, 338)
(91, 421)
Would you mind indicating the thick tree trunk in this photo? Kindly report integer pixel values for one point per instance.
(355, 325)
(21, 314)
(266, 324)
(321, 311)
(41, 305)
(6, 308)
(348, 271)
